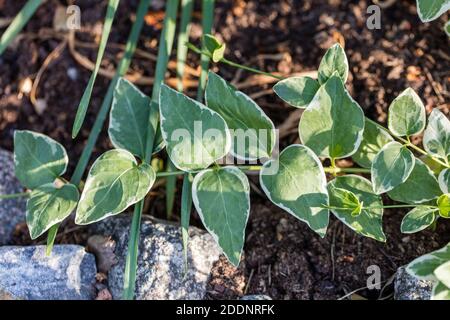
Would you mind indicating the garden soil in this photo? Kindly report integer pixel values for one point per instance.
(283, 258)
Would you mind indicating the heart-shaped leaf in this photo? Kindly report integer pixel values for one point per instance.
(430, 10)
(49, 205)
(333, 124)
(297, 91)
(444, 180)
(443, 203)
(418, 219)
(195, 135)
(299, 186)
(128, 120)
(215, 48)
(345, 200)
(436, 139)
(333, 61)
(252, 131)
(406, 114)
(369, 222)
(114, 183)
(222, 200)
(391, 167)
(424, 266)
(38, 159)
(420, 186)
(374, 139)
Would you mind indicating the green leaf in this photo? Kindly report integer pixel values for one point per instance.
(447, 28)
(420, 186)
(215, 48)
(49, 205)
(436, 139)
(195, 135)
(128, 120)
(443, 203)
(369, 222)
(424, 266)
(391, 167)
(347, 200)
(38, 159)
(444, 180)
(440, 292)
(252, 132)
(333, 124)
(430, 10)
(333, 61)
(375, 137)
(222, 200)
(297, 91)
(442, 273)
(418, 219)
(406, 114)
(84, 103)
(299, 186)
(114, 183)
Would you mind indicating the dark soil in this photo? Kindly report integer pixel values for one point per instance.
(283, 258)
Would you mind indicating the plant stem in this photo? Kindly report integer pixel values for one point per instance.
(165, 47)
(104, 109)
(423, 152)
(18, 23)
(14, 195)
(232, 63)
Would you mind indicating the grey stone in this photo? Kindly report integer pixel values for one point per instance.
(407, 287)
(256, 297)
(26, 273)
(160, 271)
(12, 211)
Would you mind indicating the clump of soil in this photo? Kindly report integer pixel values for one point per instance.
(283, 257)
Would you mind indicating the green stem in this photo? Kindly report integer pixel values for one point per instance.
(18, 23)
(14, 195)
(165, 47)
(104, 109)
(207, 22)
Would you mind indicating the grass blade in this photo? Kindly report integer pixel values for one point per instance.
(207, 22)
(186, 207)
(165, 47)
(104, 109)
(84, 103)
(18, 23)
(182, 50)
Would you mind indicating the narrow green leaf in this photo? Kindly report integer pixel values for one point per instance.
(186, 207)
(253, 133)
(369, 222)
(114, 183)
(299, 186)
(84, 103)
(183, 38)
(444, 180)
(128, 120)
(222, 200)
(443, 203)
(420, 186)
(436, 139)
(195, 135)
(440, 292)
(442, 273)
(406, 114)
(424, 266)
(333, 124)
(49, 205)
(297, 91)
(51, 237)
(430, 10)
(38, 159)
(418, 219)
(375, 137)
(18, 23)
(333, 61)
(391, 167)
(447, 28)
